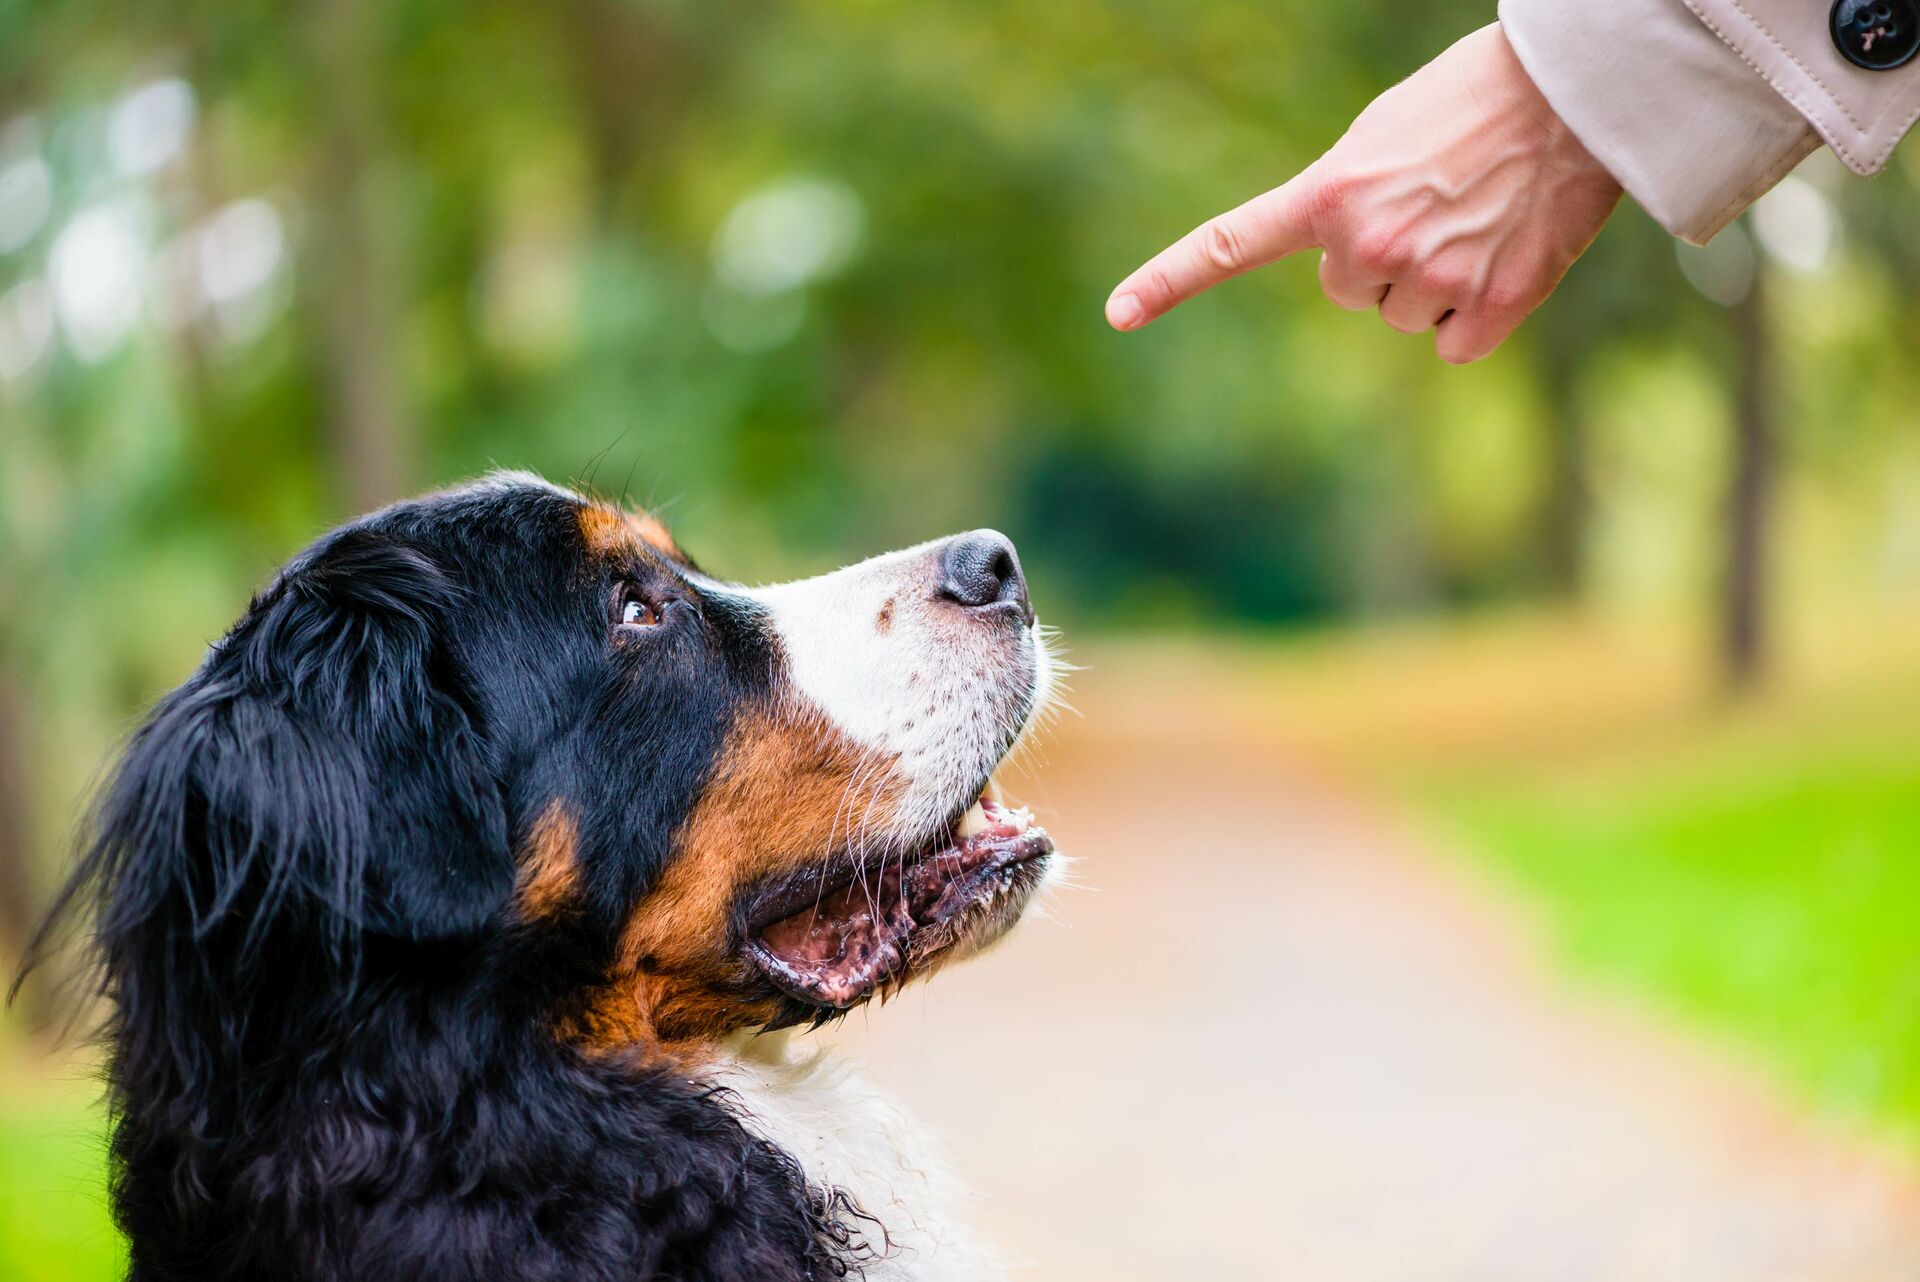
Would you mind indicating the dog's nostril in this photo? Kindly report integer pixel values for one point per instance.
(982, 569)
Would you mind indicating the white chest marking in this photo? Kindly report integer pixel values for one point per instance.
(847, 1136)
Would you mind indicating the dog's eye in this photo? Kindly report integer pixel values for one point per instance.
(636, 613)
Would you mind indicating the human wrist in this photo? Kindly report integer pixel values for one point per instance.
(1560, 149)
(1674, 115)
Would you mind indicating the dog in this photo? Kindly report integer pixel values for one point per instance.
(458, 914)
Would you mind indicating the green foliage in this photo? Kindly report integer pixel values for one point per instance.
(546, 191)
(545, 185)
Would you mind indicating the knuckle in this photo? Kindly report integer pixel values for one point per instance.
(1156, 287)
(1222, 246)
(1506, 302)
(1329, 199)
(1445, 281)
(1463, 345)
(1379, 254)
(1344, 296)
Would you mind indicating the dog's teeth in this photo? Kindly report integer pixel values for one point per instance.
(973, 822)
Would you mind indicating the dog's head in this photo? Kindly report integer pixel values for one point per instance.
(515, 727)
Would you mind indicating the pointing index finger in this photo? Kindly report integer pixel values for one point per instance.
(1268, 227)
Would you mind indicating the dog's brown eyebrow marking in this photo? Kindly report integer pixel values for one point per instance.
(884, 623)
(608, 529)
(550, 870)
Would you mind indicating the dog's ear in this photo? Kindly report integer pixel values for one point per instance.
(365, 648)
(324, 773)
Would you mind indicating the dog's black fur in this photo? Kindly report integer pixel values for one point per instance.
(332, 1053)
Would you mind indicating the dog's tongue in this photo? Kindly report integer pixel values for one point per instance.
(837, 951)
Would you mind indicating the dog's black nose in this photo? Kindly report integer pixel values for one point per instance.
(981, 569)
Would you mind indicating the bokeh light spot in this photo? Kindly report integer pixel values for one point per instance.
(26, 329)
(1795, 225)
(150, 126)
(787, 235)
(95, 268)
(26, 198)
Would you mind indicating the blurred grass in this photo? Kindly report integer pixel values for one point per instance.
(54, 1225)
(1774, 902)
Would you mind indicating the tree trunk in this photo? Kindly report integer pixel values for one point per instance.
(612, 64)
(639, 76)
(19, 898)
(1568, 501)
(367, 430)
(1750, 498)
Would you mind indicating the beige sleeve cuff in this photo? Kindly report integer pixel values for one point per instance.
(1861, 114)
(1692, 132)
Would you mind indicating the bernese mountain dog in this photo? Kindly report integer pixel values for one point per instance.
(457, 915)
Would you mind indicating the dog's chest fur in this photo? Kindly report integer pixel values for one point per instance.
(848, 1137)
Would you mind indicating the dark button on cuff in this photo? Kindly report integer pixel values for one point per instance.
(1877, 34)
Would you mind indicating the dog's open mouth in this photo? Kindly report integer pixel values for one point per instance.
(832, 942)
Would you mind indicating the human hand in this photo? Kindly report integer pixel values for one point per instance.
(1457, 199)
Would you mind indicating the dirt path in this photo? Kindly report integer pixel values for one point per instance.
(1277, 1042)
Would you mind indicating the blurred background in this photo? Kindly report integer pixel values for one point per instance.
(1498, 790)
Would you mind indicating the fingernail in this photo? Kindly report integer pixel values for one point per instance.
(1124, 312)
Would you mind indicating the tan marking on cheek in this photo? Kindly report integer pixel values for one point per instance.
(883, 624)
(783, 799)
(550, 867)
